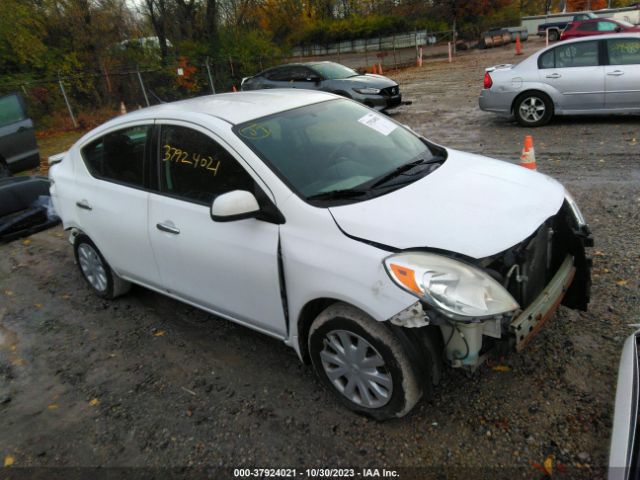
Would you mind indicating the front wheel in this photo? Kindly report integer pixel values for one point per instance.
(533, 109)
(363, 363)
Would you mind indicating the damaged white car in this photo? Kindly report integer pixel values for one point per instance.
(373, 252)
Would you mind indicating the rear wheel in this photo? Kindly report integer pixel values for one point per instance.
(533, 109)
(363, 363)
(554, 35)
(96, 271)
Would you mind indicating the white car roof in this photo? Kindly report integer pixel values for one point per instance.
(235, 107)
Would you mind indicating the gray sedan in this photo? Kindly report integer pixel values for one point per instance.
(624, 460)
(582, 76)
(375, 91)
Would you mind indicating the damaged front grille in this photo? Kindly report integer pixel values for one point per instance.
(525, 269)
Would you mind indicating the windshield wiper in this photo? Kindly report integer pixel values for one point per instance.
(403, 169)
(338, 194)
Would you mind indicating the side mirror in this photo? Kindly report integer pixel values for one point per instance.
(235, 205)
(313, 78)
(619, 28)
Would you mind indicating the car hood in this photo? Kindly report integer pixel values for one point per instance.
(368, 80)
(471, 205)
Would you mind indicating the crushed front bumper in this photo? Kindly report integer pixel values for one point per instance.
(530, 321)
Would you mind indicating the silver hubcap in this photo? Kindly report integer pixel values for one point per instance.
(356, 369)
(532, 109)
(92, 267)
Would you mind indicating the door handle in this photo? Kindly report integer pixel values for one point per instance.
(83, 205)
(616, 73)
(554, 75)
(167, 228)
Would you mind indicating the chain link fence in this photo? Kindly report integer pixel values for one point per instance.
(84, 99)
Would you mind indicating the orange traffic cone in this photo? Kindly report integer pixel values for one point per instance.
(233, 88)
(380, 69)
(518, 45)
(123, 109)
(528, 157)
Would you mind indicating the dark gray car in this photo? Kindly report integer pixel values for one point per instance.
(18, 147)
(375, 91)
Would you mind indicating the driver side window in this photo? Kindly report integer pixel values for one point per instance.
(194, 167)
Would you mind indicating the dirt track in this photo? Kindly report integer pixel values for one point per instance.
(149, 382)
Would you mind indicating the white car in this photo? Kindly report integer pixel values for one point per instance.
(371, 251)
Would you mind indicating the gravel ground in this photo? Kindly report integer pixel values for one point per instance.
(146, 381)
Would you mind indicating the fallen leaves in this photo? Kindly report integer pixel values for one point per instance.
(501, 368)
(8, 461)
(159, 333)
(8, 293)
(548, 466)
(26, 242)
(52, 406)
(94, 402)
(621, 283)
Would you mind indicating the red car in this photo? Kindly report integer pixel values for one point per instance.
(597, 26)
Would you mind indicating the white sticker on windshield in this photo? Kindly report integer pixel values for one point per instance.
(378, 123)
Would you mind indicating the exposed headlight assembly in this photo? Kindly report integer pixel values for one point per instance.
(577, 214)
(458, 290)
(368, 91)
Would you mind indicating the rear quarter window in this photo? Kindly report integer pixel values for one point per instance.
(547, 59)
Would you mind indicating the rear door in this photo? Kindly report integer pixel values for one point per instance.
(111, 200)
(574, 70)
(18, 145)
(228, 267)
(622, 75)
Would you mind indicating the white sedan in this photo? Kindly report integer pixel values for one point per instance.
(373, 252)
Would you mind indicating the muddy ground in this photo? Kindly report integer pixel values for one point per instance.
(146, 381)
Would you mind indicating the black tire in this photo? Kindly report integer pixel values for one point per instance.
(4, 169)
(526, 109)
(114, 286)
(397, 369)
(554, 35)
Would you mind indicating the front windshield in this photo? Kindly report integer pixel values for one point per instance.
(336, 146)
(333, 71)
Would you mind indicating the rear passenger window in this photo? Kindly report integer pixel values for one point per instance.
(588, 27)
(279, 74)
(624, 51)
(11, 110)
(195, 167)
(578, 54)
(118, 156)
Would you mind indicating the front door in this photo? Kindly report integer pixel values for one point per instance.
(622, 75)
(227, 267)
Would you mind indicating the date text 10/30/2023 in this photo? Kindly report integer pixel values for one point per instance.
(335, 473)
